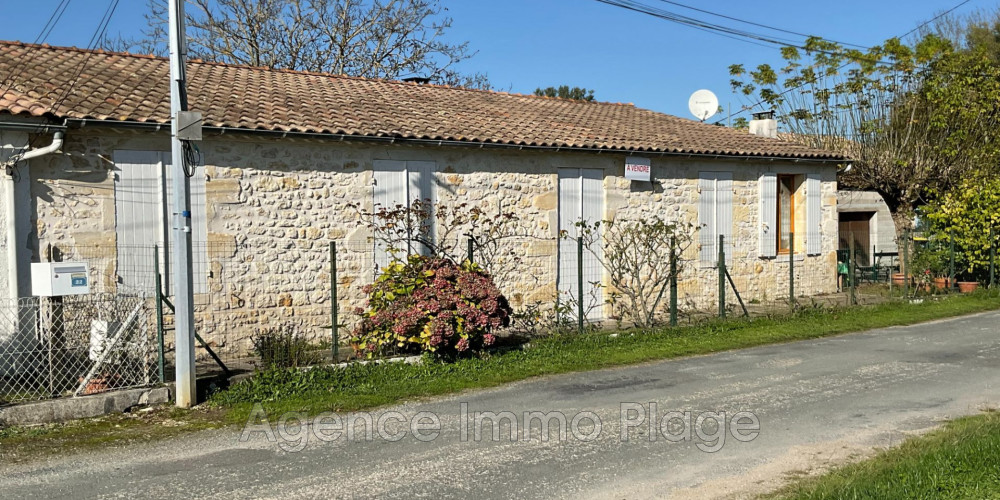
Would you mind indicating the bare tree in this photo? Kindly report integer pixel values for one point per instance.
(636, 257)
(375, 38)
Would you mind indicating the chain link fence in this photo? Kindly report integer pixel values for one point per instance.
(311, 292)
(74, 346)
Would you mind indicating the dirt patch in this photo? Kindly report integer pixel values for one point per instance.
(799, 462)
(23, 444)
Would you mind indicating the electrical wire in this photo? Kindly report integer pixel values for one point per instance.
(760, 25)
(720, 29)
(98, 35)
(20, 66)
(192, 157)
(693, 22)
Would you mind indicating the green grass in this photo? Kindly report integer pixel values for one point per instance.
(366, 386)
(960, 460)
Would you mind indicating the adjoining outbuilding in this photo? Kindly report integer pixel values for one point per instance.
(864, 216)
(285, 153)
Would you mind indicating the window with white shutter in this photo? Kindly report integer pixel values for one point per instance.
(768, 190)
(397, 182)
(790, 205)
(144, 217)
(715, 215)
(814, 235)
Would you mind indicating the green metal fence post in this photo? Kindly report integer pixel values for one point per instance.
(470, 249)
(334, 306)
(951, 262)
(993, 257)
(906, 263)
(579, 284)
(791, 268)
(159, 311)
(851, 270)
(673, 281)
(722, 276)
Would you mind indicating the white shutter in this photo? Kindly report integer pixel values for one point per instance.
(138, 216)
(199, 225)
(768, 188)
(592, 211)
(420, 181)
(814, 235)
(581, 198)
(199, 230)
(570, 212)
(389, 190)
(707, 238)
(724, 211)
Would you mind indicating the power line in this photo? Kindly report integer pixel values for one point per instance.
(751, 37)
(19, 67)
(102, 27)
(935, 18)
(760, 25)
(723, 30)
(693, 22)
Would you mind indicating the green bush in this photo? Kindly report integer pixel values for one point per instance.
(283, 347)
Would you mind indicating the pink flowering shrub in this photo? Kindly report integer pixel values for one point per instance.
(430, 304)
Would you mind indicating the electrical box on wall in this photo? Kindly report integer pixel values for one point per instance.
(55, 279)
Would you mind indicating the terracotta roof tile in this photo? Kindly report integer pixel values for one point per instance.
(127, 87)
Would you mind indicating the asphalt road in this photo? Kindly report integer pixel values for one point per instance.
(817, 403)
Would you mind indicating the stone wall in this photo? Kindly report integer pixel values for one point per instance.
(273, 206)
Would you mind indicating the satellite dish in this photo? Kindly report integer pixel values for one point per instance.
(703, 104)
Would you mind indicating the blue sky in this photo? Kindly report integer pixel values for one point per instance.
(624, 56)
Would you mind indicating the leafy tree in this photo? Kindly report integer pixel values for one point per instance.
(566, 92)
(377, 39)
(914, 120)
(977, 30)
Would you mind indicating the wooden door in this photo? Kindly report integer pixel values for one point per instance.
(858, 223)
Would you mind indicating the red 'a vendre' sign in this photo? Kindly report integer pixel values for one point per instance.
(637, 169)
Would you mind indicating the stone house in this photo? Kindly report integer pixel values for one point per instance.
(284, 153)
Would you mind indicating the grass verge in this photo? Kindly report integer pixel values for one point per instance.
(19, 444)
(368, 386)
(957, 461)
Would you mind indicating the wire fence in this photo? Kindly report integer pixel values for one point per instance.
(313, 292)
(74, 346)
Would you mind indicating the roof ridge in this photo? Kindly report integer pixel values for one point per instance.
(299, 72)
(125, 87)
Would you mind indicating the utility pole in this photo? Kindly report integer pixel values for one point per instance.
(183, 274)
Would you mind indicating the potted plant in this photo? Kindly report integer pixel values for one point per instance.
(967, 282)
(970, 272)
(931, 263)
(926, 282)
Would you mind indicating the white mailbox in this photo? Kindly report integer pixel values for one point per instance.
(55, 279)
